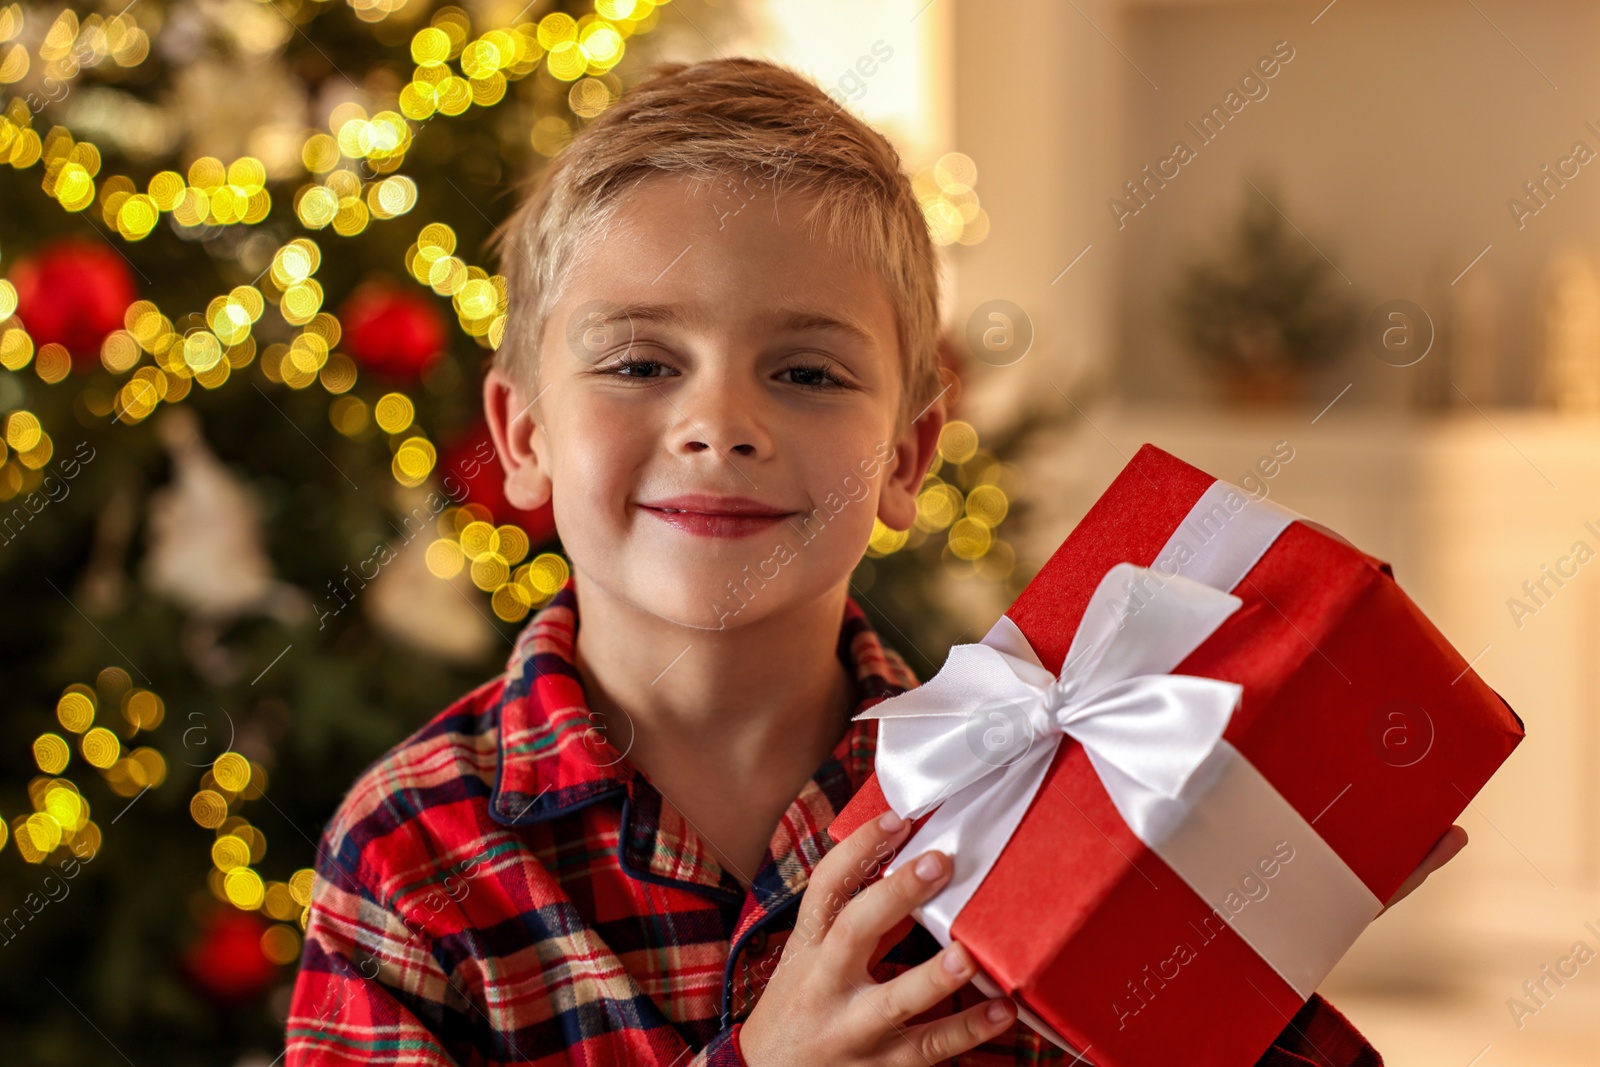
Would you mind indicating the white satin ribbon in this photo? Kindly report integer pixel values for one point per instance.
(972, 745)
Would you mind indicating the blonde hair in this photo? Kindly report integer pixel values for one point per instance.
(732, 119)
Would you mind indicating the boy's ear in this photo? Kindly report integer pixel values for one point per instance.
(913, 455)
(513, 426)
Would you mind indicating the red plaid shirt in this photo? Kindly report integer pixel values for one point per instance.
(503, 887)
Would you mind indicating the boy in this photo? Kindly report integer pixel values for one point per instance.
(721, 369)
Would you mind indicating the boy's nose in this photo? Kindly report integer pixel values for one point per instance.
(741, 449)
(721, 417)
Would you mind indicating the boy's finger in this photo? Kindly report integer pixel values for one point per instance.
(1444, 850)
(848, 866)
(888, 941)
(858, 928)
(923, 986)
(942, 1039)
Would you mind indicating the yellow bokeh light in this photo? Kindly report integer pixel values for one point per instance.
(101, 747)
(958, 441)
(75, 709)
(228, 852)
(280, 944)
(395, 196)
(244, 889)
(232, 772)
(955, 172)
(352, 217)
(308, 353)
(490, 571)
(477, 299)
(602, 45)
(53, 363)
(248, 173)
(511, 601)
(320, 153)
(317, 206)
(435, 240)
(67, 808)
(16, 348)
(279, 902)
(430, 47)
(202, 351)
(478, 538)
(547, 573)
(414, 461)
(301, 301)
(447, 275)
(113, 683)
(258, 782)
(567, 61)
(207, 173)
(51, 753)
(969, 539)
(208, 808)
(338, 375)
(295, 262)
(393, 412)
(987, 504)
(152, 763)
(557, 28)
(938, 506)
(513, 543)
(300, 884)
(143, 709)
(445, 558)
(119, 352)
(945, 223)
(166, 190)
(550, 135)
(23, 430)
(74, 187)
(884, 540)
(349, 415)
(137, 217)
(43, 831)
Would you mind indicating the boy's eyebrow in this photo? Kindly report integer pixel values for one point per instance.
(792, 321)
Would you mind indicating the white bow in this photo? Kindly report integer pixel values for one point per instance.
(975, 740)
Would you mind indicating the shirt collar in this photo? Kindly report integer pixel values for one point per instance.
(554, 757)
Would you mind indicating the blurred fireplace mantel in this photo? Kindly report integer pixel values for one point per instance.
(1467, 506)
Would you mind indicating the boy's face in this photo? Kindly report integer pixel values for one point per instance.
(765, 373)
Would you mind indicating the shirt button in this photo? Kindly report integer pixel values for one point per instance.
(756, 944)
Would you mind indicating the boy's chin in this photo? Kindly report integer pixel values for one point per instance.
(709, 599)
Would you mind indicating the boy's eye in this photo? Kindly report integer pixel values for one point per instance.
(813, 376)
(636, 367)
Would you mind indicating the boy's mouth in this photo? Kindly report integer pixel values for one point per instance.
(716, 516)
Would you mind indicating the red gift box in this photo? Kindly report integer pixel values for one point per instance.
(1360, 715)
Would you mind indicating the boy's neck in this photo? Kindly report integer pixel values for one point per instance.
(738, 717)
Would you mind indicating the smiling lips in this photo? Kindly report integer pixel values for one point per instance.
(716, 516)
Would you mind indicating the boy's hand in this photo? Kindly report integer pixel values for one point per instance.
(1444, 850)
(822, 1006)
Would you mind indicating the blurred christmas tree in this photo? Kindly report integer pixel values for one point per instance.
(251, 529)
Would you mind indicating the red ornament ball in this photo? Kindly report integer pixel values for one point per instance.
(392, 331)
(73, 292)
(225, 963)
